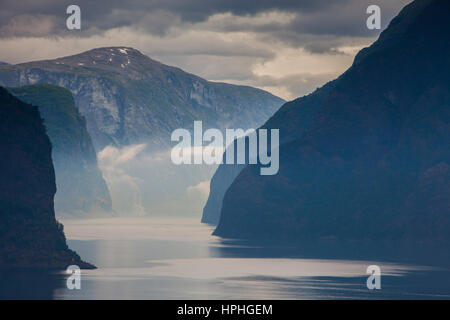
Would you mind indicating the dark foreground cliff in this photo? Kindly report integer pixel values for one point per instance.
(81, 190)
(295, 116)
(375, 162)
(30, 236)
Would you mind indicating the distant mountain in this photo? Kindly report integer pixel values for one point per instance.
(3, 63)
(81, 189)
(374, 164)
(128, 98)
(30, 236)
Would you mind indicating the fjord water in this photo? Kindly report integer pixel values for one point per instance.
(143, 258)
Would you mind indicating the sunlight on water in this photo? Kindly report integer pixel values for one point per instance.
(142, 258)
(138, 229)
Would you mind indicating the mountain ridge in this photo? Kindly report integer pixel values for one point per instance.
(130, 98)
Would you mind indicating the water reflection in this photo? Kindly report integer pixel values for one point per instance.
(179, 259)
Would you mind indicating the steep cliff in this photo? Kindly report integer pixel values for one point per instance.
(128, 100)
(30, 236)
(81, 189)
(375, 162)
(295, 116)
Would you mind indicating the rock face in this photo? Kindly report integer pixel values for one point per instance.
(220, 182)
(81, 189)
(374, 162)
(30, 236)
(295, 116)
(128, 98)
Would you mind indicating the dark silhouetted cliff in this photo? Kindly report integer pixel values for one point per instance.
(30, 236)
(296, 116)
(81, 189)
(375, 162)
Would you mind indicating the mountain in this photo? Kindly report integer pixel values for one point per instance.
(296, 116)
(81, 189)
(128, 98)
(374, 163)
(3, 63)
(220, 182)
(132, 102)
(30, 236)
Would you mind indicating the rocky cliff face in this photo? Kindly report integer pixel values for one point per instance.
(30, 236)
(374, 163)
(295, 117)
(81, 189)
(128, 98)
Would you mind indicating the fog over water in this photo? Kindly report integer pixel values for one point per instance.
(143, 182)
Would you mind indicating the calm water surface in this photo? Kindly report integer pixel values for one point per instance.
(139, 258)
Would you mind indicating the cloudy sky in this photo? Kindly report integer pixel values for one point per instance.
(288, 47)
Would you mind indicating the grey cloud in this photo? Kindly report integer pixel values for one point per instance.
(27, 25)
(323, 29)
(215, 68)
(345, 17)
(202, 37)
(296, 85)
(218, 49)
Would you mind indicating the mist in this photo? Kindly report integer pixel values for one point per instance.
(143, 182)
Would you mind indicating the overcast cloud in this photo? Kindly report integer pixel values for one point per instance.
(288, 47)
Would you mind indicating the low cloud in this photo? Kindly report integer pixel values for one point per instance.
(142, 182)
(201, 189)
(124, 188)
(112, 156)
